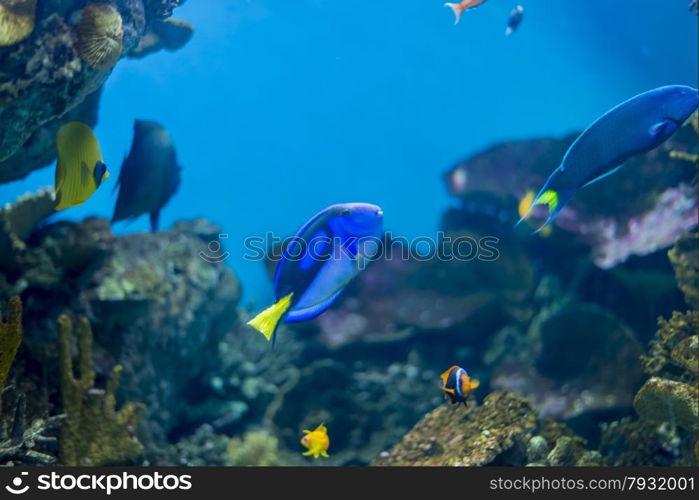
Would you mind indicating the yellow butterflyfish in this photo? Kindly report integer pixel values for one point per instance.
(80, 169)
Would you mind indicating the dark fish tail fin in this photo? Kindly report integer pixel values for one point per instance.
(154, 221)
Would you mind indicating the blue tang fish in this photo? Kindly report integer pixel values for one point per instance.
(149, 175)
(516, 16)
(322, 258)
(633, 127)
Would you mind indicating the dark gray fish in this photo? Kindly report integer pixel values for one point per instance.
(149, 175)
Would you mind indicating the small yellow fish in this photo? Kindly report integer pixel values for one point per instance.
(316, 441)
(523, 209)
(80, 169)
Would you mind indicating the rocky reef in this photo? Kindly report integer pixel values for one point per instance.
(504, 431)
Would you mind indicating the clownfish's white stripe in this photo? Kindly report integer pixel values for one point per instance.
(459, 389)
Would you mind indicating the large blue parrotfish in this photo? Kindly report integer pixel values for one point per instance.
(149, 175)
(633, 127)
(322, 258)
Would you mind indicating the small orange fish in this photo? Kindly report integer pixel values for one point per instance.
(457, 385)
(460, 7)
(316, 441)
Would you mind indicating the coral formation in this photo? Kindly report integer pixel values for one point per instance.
(100, 36)
(662, 400)
(10, 339)
(16, 20)
(94, 433)
(684, 257)
(17, 221)
(257, 449)
(671, 332)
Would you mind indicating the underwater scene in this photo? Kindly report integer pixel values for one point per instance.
(331, 233)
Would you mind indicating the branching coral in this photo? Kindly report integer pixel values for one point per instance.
(10, 338)
(94, 433)
(33, 444)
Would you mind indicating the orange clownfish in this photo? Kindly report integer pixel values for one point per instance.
(457, 385)
(316, 441)
(462, 6)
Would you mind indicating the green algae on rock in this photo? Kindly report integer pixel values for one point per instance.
(499, 432)
(10, 339)
(634, 443)
(686, 354)
(662, 400)
(94, 432)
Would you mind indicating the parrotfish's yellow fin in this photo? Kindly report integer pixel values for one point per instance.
(266, 322)
(549, 198)
(321, 428)
(307, 453)
(474, 383)
(325, 454)
(306, 431)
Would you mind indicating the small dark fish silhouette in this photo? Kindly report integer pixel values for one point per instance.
(516, 16)
(149, 175)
